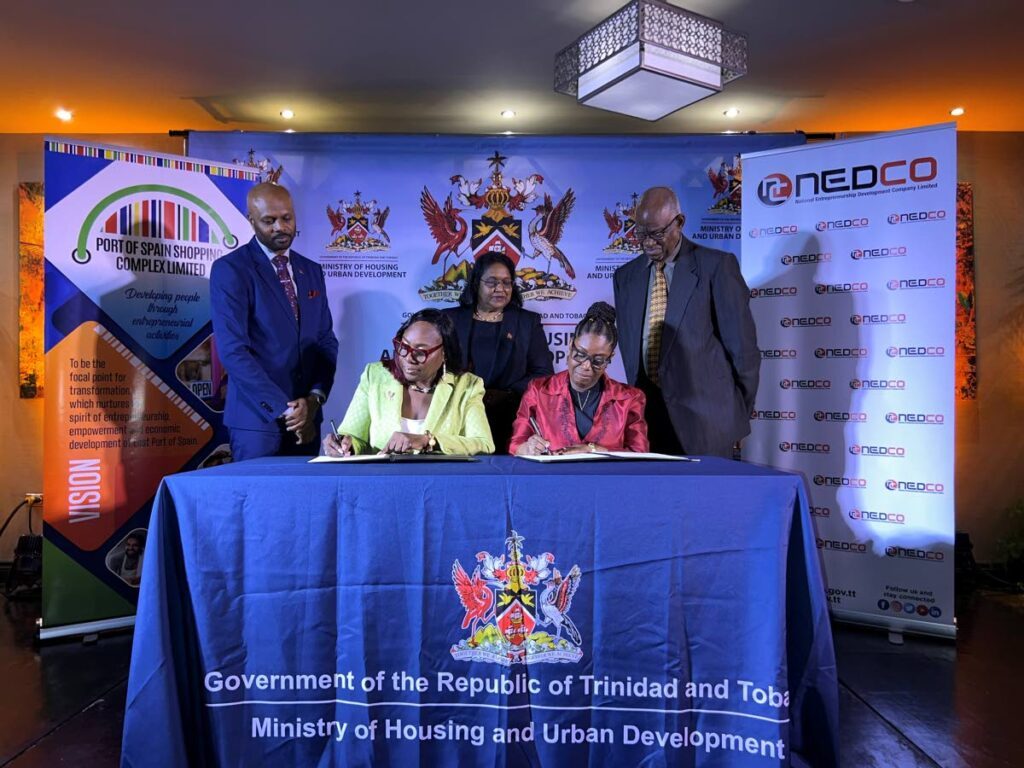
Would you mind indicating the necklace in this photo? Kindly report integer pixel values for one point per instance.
(583, 403)
(489, 317)
(423, 390)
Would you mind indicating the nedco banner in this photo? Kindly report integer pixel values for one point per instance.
(849, 251)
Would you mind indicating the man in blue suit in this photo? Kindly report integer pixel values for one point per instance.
(274, 334)
(686, 334)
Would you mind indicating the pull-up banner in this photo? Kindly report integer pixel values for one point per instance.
(135, 390)
(850, 253)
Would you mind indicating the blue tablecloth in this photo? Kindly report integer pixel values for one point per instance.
(647, 614)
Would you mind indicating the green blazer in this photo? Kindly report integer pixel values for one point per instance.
(456, 417)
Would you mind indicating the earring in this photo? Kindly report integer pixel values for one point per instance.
(444, 369)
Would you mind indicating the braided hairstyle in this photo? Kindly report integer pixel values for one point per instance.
(599, 320)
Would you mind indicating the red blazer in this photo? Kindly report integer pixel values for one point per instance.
(618, 424)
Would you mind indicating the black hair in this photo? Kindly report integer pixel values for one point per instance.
(449, 339)
(599, 320)
(471, 293)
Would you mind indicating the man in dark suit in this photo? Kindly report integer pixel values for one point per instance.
(274, 334)
(686, 335)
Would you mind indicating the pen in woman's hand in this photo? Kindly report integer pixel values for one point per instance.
(536, 430)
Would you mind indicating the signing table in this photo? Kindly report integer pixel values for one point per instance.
(490, 613)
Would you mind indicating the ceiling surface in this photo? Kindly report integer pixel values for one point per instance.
(452, 66)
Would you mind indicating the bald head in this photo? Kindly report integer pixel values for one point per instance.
(658, 200)
(660, 223)
(272, 216)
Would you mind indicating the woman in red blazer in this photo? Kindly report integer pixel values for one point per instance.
(582, 409)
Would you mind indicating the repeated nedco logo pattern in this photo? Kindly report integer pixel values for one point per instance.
(854, 310)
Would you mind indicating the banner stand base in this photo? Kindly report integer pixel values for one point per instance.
(896, 626)
(85, 628)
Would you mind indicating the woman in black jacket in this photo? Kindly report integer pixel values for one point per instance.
(504, 343)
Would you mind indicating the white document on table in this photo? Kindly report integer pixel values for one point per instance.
(599, 455)
(346, 459)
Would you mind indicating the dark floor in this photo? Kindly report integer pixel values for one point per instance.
(925, 703)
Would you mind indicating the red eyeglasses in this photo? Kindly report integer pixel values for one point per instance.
(416, 355)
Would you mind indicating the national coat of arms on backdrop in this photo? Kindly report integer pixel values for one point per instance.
(621, 221)
(497, 229)
(727, 182)
(358, 225)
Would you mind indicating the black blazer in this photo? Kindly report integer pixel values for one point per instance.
(710, 362)
(522, 353)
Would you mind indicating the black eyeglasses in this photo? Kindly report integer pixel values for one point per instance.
(492, 284)
(597, 362)
(416, 355)
(657, 235)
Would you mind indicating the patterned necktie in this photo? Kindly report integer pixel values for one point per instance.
(656, 320)
(281, 262)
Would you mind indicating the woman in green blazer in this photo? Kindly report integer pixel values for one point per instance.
(422, 400)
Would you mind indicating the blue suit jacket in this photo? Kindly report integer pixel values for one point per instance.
(710, 362)
(270, 358)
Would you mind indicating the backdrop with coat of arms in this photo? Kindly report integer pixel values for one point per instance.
(397, 222)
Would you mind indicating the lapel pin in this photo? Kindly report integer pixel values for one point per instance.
(509, 335)
(314, 293)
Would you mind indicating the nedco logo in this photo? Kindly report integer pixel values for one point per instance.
(773, 415)
(892, 451)
(899, 384)
(841, 416)
(771, 293)
(915, 554)
(776, 188)
(878, 517)
(825, 226)
(916, 282)
(787, 447)
(858, 254)
(894, 319)
(782, 229)
(778, 354)
(910, 486)
(806, 258)
(915, 418)
(805, 384)
(916, 351)
(840, 482)
(843, 546)
(821, 511)
(821, 288)
(913, 217)
(840, 352)
(805, 322)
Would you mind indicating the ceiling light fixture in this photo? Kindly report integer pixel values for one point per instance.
(289, 130)
(64, 114)
(508, 114)
(287, 114)
(732, 112)
(956, 111)
(649, 59)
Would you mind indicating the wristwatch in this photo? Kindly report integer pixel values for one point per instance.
(320, 399)
(431, 442)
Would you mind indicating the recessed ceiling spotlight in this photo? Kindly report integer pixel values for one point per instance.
(289, 130)
(956, 111)
(508, 133)
(287, 114)
(732, 112)
(508, 114)
(64, 114)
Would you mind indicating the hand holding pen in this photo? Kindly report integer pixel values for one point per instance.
(336, 444)
(536, 444)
